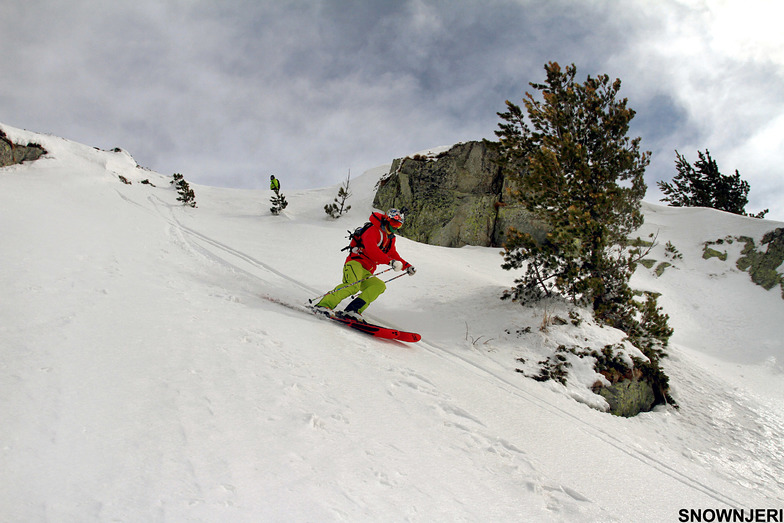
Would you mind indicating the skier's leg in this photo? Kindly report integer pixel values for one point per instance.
(371, 289)
(352, 272)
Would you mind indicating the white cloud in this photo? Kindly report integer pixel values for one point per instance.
(747, 29)
(725, 75)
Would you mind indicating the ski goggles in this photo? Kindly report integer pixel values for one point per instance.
(395, 218)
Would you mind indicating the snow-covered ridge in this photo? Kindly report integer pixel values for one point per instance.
(144, 377)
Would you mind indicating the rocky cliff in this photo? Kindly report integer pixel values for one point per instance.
(455, 198)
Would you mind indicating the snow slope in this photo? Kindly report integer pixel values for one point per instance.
(145, 377)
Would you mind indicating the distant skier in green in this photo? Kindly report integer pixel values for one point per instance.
(375, 245)
(274, 183)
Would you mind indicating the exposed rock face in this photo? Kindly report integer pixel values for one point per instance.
(628, 397)
(11, 153)
(763, 267)
(458, 198)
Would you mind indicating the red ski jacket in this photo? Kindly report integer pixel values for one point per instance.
(378, 246)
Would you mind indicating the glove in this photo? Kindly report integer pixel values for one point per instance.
(411, 270)
(397, 265)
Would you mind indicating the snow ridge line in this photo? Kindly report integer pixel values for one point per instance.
(593, 430)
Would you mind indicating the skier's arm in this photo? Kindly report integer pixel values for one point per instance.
(394, 255)
(370, 239)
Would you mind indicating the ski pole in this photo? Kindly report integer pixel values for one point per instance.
(396, 277)
(348, 285)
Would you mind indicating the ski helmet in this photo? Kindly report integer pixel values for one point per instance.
(395, 218)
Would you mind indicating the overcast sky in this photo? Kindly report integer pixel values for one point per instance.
(227, 92)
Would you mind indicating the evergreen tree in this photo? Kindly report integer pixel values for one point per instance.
(186, 194)
(702, 185)
(279, 202)
(338, 206)
(580, 174)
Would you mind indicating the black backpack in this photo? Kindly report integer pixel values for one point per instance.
(355, 238)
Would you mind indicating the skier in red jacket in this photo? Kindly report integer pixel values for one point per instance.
(375, 246)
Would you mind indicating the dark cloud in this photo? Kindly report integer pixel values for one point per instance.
(228, 92)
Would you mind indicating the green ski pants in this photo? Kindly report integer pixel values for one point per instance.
(370, 289)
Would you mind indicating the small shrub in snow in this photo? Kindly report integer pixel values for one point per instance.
(338, 206)
(555, 367)
(186, 194)
(279, 203)
(671, 252)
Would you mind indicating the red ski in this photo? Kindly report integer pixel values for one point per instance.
(368, 328)
(378, 331)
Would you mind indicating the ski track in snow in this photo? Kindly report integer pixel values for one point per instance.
(731, 415)
(467, 427)
(460, 417)
(184, 232)
(175, 377)
(451, 415)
